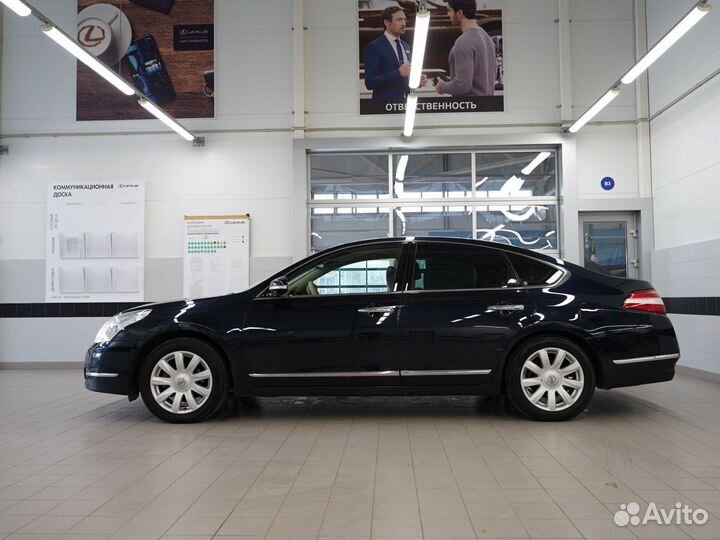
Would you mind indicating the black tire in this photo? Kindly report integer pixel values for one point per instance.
(552, 378)
(216, 384)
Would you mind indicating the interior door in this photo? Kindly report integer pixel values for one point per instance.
(337, 324)
(459, 316)
(609, 243)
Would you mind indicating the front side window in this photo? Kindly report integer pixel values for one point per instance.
(440, 267)
(359, 270)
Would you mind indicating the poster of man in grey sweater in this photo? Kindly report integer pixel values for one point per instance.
(463, 57)
(472, 58)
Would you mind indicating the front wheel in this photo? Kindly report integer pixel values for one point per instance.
(183, 381)
(550, 379)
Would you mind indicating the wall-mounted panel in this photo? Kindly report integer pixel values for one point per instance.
(695, 56)
(601, 52)
(686, 167)
(607, 151)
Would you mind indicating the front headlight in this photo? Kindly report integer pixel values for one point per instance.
(119, 322)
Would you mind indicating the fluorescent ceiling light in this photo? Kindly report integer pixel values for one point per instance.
(86, 58)
(400, 171)
(165, 119)
(410, 110)
(542, 156)
(680, 29)
(19, 7)
(422, 25)
(599, 105)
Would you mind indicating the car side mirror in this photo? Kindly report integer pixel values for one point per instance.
(278, 286)
(512, 282)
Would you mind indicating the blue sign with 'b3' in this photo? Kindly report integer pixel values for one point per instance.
(607, 183)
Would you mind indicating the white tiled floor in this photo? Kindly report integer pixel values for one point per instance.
(79, 465)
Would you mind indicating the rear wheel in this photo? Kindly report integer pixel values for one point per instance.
(550, 378)
(183, 381)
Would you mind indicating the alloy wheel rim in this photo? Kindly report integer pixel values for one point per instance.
(181, 382)
(552, 379)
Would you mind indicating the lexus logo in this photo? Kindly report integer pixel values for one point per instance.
(91, 35)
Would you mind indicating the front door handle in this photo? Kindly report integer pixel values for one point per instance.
(506, 307)
(377, 309)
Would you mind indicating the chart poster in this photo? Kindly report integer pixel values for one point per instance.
(95, 242)
(166, 48)
(463, 71)
(217, 255)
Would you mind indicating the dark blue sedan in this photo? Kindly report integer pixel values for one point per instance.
(404, 316)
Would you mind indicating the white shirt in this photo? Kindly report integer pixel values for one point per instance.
(391, 39)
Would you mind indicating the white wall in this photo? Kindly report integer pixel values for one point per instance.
(602, 38)
(250, 163)
(236, 172)
(685, 145)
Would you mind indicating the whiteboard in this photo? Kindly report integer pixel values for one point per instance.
(95, 242)
(216, 257)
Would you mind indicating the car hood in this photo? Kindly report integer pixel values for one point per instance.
(208, 302)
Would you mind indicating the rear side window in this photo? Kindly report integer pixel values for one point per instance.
(532, 272)
(441, 267)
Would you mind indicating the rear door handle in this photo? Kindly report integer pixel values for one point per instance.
(506, 307)
(377, 309)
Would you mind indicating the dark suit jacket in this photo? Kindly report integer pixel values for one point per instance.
(382, 74)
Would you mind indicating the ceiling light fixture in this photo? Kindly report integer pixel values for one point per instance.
(166, 119)
(67, 43)
(598, 106)
(701, 9)
(542, 156)
(410, 110)
(18, 6)
(422, 25)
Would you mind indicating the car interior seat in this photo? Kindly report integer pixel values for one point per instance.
(390, 273)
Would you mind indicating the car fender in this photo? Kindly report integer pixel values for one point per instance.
(578, 335)
(160, 334)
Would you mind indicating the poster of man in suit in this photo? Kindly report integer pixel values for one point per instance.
(463, 63)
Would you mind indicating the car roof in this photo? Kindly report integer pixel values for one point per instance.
(449, 240)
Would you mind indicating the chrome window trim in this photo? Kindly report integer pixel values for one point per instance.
(443, 372)
(326, 374)
(101, 375)
(642, 359)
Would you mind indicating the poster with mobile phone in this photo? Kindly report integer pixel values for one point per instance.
(165, 48)
(95, 242)
(462, 67)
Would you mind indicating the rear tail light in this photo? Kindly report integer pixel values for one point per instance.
(645, 301)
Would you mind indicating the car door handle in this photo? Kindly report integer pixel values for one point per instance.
(377, 309)
(506, 307)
